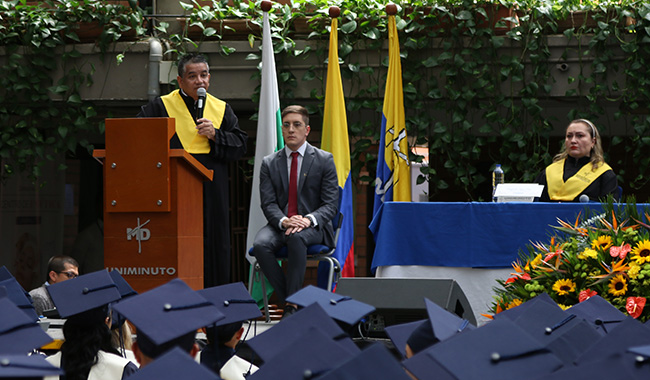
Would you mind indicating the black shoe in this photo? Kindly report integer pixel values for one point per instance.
(288, 310)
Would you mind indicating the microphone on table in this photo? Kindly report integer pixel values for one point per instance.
(584, 198)
(200, 104)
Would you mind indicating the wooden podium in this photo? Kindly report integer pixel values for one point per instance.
(153, 204)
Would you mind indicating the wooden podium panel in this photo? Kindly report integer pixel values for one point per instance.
(151, 245)
(137, 163)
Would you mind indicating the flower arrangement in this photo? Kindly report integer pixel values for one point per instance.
(608, 255)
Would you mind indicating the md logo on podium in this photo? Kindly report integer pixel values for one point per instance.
(140, 234)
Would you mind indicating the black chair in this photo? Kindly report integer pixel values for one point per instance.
(316, 252)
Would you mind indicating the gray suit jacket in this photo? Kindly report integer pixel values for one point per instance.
(318, 189)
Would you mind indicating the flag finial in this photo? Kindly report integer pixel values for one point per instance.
(335, 11)
(391, 9)
(266, 5)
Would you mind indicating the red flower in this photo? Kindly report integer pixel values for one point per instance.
(621, 251)
(586, 294)
(634, 306)
(553, 254)
(517, 276)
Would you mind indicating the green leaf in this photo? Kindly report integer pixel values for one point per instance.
(349, 27)
(464, 15)
(74, 98)
(372, 34)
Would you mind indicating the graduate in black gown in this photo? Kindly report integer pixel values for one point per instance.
(579, 172)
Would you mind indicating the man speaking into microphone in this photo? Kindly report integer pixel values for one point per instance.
(207, 128)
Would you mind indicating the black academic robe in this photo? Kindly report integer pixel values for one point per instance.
(229, 145)
(605, 183)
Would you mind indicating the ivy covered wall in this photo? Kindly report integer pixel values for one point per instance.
(484, 81)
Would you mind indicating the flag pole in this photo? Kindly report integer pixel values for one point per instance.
(269, 140)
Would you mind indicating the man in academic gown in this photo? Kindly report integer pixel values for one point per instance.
(213, 140)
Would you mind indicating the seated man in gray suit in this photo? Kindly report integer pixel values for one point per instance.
(299, 197)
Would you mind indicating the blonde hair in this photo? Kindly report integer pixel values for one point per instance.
(127, 337)
(596, 155)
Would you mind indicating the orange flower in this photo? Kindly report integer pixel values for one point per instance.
(574, 227)
(634, 306)
(520, 273)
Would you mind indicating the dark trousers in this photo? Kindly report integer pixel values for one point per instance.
(268, 241)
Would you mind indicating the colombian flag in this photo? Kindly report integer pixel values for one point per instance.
(269, 140)
(393, 182)
(335, 140)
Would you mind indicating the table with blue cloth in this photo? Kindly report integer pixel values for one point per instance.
(473, 243)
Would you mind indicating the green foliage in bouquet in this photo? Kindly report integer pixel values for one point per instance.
(607, 254)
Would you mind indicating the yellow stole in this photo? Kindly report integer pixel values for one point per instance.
(558, 190)
(186, 126)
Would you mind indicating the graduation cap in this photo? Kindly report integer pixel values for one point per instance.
(445, 324)
(628, 333)
(342, 308)
(174, 364)
(498, 350)
(425, 366)
(19, 333)
(291, 329)
(17, 295)
(166, 313)
(562, 332)
(126, 291)
(598, 312)
(123, 287)
(399, 334)
(308, 357)
(632, 364)
(234, 301)
(4, 273)
(375, 362)
(440, 326)
(23, 366)
(515, 312)
(84, 293)
(606, 369)
(642, 352)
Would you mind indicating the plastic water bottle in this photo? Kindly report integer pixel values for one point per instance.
(497, 178)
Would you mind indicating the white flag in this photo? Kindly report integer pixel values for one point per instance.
(269, 131)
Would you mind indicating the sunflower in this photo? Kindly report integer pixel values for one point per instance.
(618, 286)
(588, 253)
(564, 286)
(641, 253)
(602, 242)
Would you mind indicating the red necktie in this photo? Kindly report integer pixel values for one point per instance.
(293, 185)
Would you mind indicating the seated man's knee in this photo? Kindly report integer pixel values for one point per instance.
(296, 238)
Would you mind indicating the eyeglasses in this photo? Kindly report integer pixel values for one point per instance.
(69, 274)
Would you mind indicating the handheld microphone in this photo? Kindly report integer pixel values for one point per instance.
(584, 198)
(200, 104)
